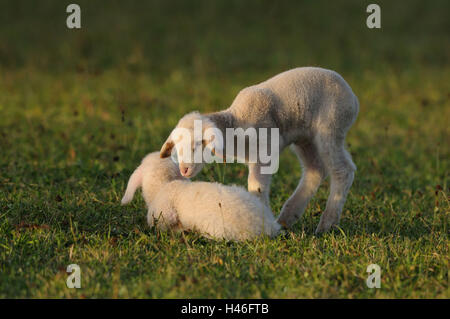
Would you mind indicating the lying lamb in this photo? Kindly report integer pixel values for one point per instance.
(214, 210)
(313, 109)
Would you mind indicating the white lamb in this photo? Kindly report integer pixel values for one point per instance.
(313, 109)
(215, 210)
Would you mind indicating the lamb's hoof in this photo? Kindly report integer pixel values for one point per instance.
(283, 224)
(323, 227)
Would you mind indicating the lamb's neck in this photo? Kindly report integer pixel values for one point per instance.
(152, 189)
(223, 120)
(153, 186)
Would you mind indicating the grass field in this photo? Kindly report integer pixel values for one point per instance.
(80, 108)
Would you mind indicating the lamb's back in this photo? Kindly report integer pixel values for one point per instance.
(222, 211)
(293, 99)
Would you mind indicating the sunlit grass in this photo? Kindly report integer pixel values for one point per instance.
(72, 132)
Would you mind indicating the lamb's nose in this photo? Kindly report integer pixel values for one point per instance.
(185, 170)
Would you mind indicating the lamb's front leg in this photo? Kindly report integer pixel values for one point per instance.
(163, 215)
(259, 184)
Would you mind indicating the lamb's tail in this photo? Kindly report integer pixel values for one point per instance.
(134, 183)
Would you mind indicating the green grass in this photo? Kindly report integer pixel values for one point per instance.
(79, 109)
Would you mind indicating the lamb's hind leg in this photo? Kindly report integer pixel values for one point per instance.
(341, 170)
(312, 175)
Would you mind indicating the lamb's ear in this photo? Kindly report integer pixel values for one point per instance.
(166, 149)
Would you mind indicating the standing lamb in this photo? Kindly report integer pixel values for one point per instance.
(313, 108)
(214, 210)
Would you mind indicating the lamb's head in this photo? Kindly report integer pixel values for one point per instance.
(160, 170)
(151, 175)
(193, 134)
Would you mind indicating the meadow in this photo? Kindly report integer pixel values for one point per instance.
(80, 108)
